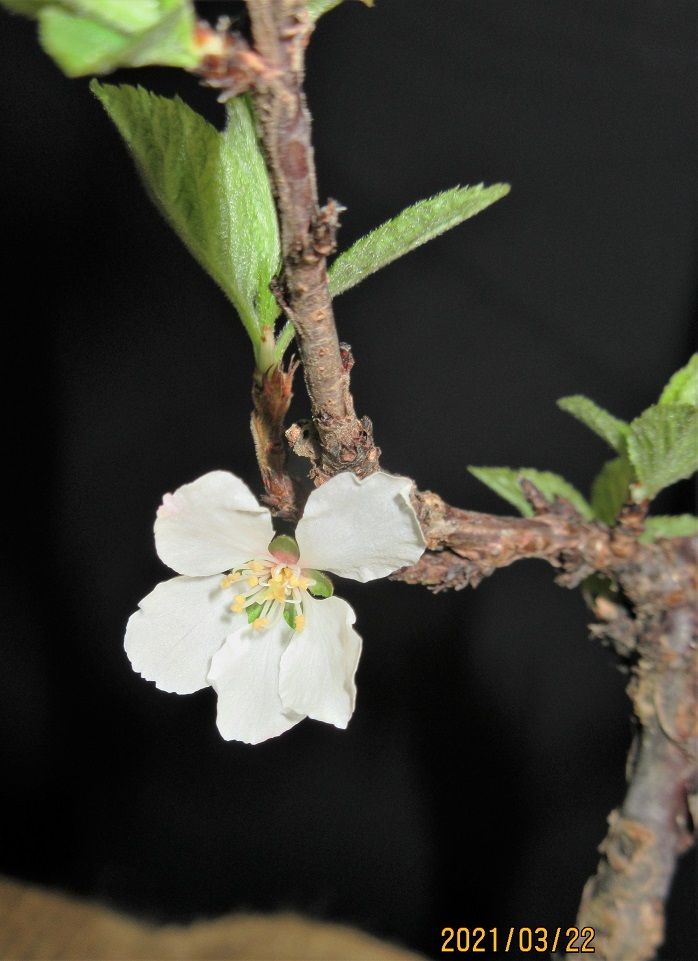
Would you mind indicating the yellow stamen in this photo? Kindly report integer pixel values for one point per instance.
(260, 623)
(300, 622)
(253, 581)
(257, 566)
(238, 604)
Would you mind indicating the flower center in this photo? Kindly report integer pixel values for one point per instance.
(267, 590)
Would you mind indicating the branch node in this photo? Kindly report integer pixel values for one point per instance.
(534, 496)
(308, 235)
(228, 63)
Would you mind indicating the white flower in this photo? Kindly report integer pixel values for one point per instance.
(274, 653)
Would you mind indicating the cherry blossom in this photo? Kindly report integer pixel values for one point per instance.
(253, 614)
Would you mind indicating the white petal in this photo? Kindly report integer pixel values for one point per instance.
(179, 626)
(318, 666)
(245, 673)
(362, 529)
(211, 525)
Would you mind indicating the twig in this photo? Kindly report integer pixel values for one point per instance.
(281, 29)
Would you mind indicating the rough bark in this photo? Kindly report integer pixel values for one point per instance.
(653, 627)
(281, 29)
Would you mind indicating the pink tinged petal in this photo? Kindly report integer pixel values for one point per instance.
(319, 664)
(179, 626)
(361, 529)
(245, 674)
(211, 525)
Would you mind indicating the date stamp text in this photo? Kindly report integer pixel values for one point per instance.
(517, 940)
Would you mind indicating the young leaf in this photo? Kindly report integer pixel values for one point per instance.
(663, 447)
(28, 8)
(610, 489)
(680, 525)
(505, 482)
(683, 386)
(98, 36)
(608, 427)
(316, 8)
(411, 228)
(212, 187)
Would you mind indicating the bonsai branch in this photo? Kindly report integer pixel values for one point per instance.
(653, 628)
(281, 30)
(651, 625)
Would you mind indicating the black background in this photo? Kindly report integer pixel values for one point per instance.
(488, 746)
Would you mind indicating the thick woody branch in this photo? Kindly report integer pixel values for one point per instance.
(653, 627)
(281, 29)
(463, 547)
(624, 901)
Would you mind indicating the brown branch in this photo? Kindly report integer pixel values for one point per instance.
(656, 635)
(463, 547)
(281, 29)
(624, 901)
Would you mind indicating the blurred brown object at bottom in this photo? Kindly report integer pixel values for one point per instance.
(41, 925)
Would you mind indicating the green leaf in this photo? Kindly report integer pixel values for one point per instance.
(316, 8)
(683, 386)
(663, 447)
(505, 482)
(28, 8)
(321, 585)
(610, 489)
(283, 340)
(290, 616)
(413, 227)
(98, 36)
(608, 427)
(679, 525)
(212, 187)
